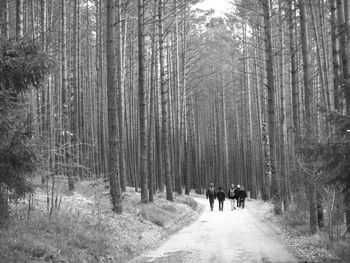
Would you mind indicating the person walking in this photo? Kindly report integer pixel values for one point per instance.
(231, 196)
(242, 194)
(211, 195)
(237, 189)
(221, 198)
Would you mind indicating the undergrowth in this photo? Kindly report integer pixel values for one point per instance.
(156, 215)
(85, 229)
(314, 247)
(64, 236)
(190, 202)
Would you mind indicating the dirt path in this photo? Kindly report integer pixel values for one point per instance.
(220, 237)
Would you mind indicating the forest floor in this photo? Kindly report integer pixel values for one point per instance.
(293, 228)
(82, 228)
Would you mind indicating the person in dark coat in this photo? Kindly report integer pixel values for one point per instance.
(242, 194)
(211, 195)
(231, 196)
(237, 189)
(221, 198)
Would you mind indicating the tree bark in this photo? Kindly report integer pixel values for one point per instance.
(19, 19)
(114, 182)
(283, 127)
(5, 27)
(308, 124)
(142, 104)
(335, 56)
(271, 107)
(151, 129)
(164, 98)
(120, 96)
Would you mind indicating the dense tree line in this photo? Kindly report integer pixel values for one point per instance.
(159, 95)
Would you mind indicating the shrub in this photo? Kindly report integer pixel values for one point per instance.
(22, 66)
(342, 249)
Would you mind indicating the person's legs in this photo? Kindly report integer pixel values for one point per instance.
(211, 201)
(243, 203)
(221, 204)
(232, 201)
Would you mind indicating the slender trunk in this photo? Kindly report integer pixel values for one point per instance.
(120, 96)
(283, 127)
(5, 29)
(151, 110)
(142, 104)
(164, 98)
(322, 13)
(114, 182)
(183, 97)
(75, 111)
(294, 70)
(335, 56)
(318, 51)
(19, 19)
(345, 46)
(271, 107)
(65, 95)
(179, 143)
(308, 95)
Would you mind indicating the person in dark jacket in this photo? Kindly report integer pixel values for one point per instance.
(221, 198)
(231, 196)
(237, 189)
(211, 195)
(242, 194)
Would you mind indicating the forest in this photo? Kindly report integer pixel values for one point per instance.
(161, 96)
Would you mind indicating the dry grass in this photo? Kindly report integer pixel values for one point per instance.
(156, 215)
(187, 200)
(85, 229)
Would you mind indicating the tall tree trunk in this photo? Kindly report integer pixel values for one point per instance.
(75, 104)
(43, 115)
(283, 127)
(344, 50)
(183, 97)
(164, 98)
(142, 104)
(308, 96)
(294, 70)
(114, 182)
(151, 129)
(5, 29)
(19, 18)
(65, 95)
(179, 143)
(120, 96)
(318, 52)
(271, 107)
(335, 56)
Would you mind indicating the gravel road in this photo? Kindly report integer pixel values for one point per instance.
(220, 237)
